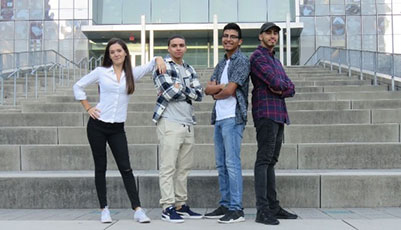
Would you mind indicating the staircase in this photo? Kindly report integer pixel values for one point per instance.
(342, 149)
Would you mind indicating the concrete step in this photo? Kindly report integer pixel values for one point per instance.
(204, 134)
(208, 106)
(295, 188)
(41, 119)
(374, 95)
(145, 156)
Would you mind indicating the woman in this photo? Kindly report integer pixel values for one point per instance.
(115, 79)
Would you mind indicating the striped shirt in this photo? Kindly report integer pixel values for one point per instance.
(190, 90)
(267, 72)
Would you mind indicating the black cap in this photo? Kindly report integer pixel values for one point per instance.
(267, 26)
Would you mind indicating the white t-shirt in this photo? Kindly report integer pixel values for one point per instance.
(225, 108)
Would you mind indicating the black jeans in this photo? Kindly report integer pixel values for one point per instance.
(269, 136)
(113, 133)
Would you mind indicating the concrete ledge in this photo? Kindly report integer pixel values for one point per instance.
(361, 190)
(9, 158)
(349, 156)
(41, 119)
(79, 157)
(386, 116)
(28, 135)
(342, 133)
(377, 104)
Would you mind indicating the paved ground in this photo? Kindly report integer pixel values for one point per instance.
(310, 219)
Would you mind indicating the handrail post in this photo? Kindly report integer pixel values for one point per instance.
(360, 69)
(2, 90)
(375, 69)
(339, 61)
(15, 90)
(392, 72)
(331, 60)
(36, 84)
(349, 62)
(45, 79)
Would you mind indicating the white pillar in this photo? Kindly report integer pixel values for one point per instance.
(215, 41)
(143, 40)
(281, 40)
(151, 44)
(288, 30)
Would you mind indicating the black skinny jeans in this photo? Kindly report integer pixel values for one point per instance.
(269, 136)
(113, 133)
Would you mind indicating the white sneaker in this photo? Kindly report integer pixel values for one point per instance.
(141, 216)
(105, 218)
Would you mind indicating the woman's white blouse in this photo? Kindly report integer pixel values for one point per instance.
(113, 101)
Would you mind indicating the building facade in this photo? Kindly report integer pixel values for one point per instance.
(80, 28)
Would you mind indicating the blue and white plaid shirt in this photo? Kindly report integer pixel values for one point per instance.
(190, 89)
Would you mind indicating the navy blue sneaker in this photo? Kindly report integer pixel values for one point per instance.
(186, 212)
(169, 214)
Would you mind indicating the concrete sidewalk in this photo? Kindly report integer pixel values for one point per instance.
(309, 219)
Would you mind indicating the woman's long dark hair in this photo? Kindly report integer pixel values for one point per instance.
(107, 62)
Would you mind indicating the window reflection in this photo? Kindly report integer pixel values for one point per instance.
(307, 7)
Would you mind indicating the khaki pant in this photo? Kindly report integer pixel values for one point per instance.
(176, 155)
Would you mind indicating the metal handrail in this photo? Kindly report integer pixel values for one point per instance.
(16, 75)
(378, 64)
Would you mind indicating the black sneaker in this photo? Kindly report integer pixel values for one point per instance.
(232, 217)
(169, 214)
(218, 213)
(283, 214)
(264, 217)
(186, 212)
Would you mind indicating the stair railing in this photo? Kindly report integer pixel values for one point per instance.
(378, 64)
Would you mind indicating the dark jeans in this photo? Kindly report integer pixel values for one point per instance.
(113, 133)
(269, 136)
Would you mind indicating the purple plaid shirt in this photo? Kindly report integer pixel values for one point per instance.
(267, 72)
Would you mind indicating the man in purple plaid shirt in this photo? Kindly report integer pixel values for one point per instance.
(271, 87)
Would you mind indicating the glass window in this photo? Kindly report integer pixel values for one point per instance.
(110, 12)
(307, 48)
(67, 4)
(337, 2)
(6, 46)
(21, 30)
(322, 41)
(309, 26)
(322, 9)
(165, 11)
(226, 10)
(252, 10)
(353, 9)
(338, 41)
(36, 14)
(396, 8)
(397, 21)
(337, 9)
(338, 26)
(194, 11)
(66, 13)
(369, 42)
(77, 28)
(385, 43)
(368, 7)
(7, 30)
(307, 7)
(323, 27)
(21, 4)
(21, 45)
(384, 25)
(51, 30)
(278, 10)
(134, 9)
(50, 45)
(369, 24)
(81, 13)
(66, 29)
(353, 25)
(354, 42)
(22, 14)
(35, 4)
(81, 4)
(397, 45)
(383, 8)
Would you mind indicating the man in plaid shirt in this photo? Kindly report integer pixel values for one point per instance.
(174, 116)
(271, 87)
